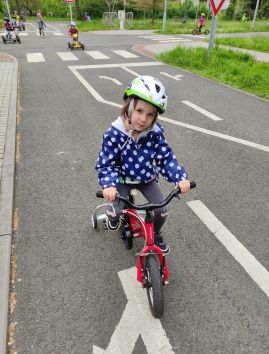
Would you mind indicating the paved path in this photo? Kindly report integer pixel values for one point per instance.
(8, 102)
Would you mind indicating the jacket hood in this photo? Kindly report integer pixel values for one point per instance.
(119, 124)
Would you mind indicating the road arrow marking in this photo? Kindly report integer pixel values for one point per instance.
(129, 328)
(175, 77)
(111, 78)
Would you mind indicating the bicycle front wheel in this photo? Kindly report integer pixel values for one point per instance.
(154, 285)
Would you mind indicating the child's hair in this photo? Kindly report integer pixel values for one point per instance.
(129, 105)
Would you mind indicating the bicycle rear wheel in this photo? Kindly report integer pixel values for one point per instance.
(154, 285)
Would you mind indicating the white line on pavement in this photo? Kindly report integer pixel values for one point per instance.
(201, 110)
(67, 56)
(58, 34)
(95, 54)
(125, 54)
(251, 265)
(130, 71)
(219, 135)
(174, 40)
(99, 98)
(117, 82)
(35, 57)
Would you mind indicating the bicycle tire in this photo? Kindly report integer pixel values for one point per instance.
(154, 286)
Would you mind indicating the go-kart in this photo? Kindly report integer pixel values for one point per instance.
(75, 44)
(10, 36)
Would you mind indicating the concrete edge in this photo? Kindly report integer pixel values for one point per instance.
(6, 209)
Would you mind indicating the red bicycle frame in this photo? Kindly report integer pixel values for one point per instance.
(145, 228)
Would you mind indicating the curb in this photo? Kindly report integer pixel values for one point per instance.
(6, 208)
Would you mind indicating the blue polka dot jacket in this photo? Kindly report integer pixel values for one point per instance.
(123, 159)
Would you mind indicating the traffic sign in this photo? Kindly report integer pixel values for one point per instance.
(216, 5)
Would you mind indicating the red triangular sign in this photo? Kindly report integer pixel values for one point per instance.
(216, 7)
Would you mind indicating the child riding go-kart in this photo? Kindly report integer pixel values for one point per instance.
(9, 33)
(73, 33)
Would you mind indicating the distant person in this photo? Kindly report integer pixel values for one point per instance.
(201, 22)
(38, 14)
(244, 18)
(41, 25)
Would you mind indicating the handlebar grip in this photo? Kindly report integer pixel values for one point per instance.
(99, 194)
(193, 184)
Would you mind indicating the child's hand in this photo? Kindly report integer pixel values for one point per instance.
(110, 193)
(184, 186)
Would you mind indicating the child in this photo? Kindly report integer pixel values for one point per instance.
(134, 150)
(41, 25)
(73, 29)
(201, 22)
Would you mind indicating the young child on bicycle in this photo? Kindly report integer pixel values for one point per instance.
(73, 29)
(134, 150)
(201, 22)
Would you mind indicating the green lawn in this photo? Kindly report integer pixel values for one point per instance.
(235, 69)
(261, 44)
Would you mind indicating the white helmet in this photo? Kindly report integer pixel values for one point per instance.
(148, 89)
(72, 23)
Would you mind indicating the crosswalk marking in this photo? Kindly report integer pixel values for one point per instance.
(65, 56)
(35, 57)
(23, 34)
(95, 54)
(58, 34)
(125, 54)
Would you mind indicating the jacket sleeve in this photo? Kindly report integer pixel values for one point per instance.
(108, 162)
(167, 164)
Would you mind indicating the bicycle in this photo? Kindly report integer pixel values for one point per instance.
(136, 221)
(203, 31)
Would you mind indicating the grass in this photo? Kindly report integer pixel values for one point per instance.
(173, 26)
(235, 69)
(261, 44)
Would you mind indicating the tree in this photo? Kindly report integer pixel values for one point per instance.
(149, 5)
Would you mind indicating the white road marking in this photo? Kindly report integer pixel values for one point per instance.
(23, 34)
(111, 78)
(65, 56)
(174, 40)
(201, 110)
(58, 34)
(131, 71)
(213, 133)
(95, 54)
(99, 98)
(166, 38)
(136, 312)
(53, 28)
(154, 36)
(175, 77)
(125, 54)
(251, 265)
(35, 57)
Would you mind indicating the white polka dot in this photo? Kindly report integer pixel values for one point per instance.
(163, 148)
(113, 140)
(148, 174)
(110, 156)
(159, 157)
(109, 143)
(135, 152)
(148, 143)
(131, 172)
(171, 164)
(131, 159)
(136, 165)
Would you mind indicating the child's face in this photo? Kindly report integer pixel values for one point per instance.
(143, 115)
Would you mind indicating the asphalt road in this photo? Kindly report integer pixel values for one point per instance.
(69, 296)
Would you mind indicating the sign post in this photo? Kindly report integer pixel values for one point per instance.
(8, 10)
(216, 5)
(70, 8)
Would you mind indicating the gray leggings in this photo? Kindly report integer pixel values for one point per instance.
(152, 192)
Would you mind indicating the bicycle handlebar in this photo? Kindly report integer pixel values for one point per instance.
(148, 206)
